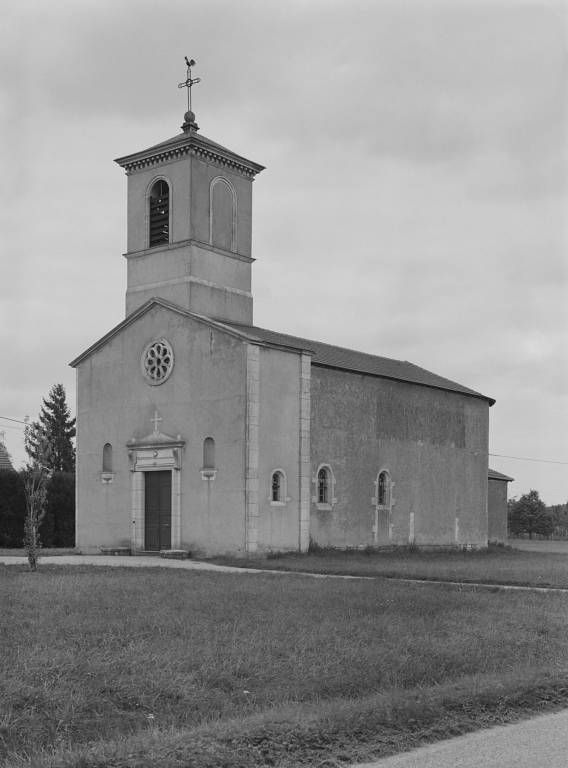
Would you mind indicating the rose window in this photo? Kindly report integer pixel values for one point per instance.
(157, 361)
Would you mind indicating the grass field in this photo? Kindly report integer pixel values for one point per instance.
(498, 565)
(137, 668)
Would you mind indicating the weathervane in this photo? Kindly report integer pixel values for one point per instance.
(190, 81)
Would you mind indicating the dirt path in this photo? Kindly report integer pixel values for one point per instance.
(142, 561)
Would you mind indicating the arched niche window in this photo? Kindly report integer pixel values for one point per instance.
(107, 457)
(278, 487)
(208, 469)
(159, 217)
(107, 473)
(209, 453)
(222, 214)
(383, 489)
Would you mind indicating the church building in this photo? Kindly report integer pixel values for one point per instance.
(199, 431)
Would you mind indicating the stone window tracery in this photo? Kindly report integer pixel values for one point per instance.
(157, 361)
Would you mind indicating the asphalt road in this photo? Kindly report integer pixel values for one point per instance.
(538, 743)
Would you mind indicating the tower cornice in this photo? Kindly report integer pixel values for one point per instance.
(189, 143)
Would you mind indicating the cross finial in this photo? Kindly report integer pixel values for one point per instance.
(189, 81)
(156, 418)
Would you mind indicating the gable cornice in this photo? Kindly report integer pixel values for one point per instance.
(240, 334)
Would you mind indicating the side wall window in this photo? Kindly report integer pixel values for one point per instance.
(159, 218)
(278, 487)
(107, 457)
(323, 486)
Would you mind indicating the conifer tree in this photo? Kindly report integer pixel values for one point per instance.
(56, 428)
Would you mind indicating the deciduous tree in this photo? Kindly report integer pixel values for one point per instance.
(529, 515)
(36, 478)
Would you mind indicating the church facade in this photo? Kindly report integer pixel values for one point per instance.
(199, 431)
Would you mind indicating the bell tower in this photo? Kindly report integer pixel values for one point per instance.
(189, 225)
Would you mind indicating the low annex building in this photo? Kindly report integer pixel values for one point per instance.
(198, 430)
(497, 526)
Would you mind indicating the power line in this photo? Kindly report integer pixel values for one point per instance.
(9, 418)
(526, 458)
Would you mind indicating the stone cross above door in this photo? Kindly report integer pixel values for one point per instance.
(156, 418)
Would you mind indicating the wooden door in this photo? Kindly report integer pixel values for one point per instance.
(158, 510)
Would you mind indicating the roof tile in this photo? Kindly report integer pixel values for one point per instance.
(331, 356)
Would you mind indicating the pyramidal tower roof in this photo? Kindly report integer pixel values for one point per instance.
(189, 142)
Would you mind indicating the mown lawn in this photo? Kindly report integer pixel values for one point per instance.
(155, 667)
(497, 565)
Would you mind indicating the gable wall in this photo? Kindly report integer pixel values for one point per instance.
(204, 396)
(433, 443)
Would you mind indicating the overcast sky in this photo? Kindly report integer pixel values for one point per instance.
(413, 205)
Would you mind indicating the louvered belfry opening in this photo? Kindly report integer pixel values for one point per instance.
(159, 213)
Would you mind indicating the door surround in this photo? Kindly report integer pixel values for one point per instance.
(151, 454)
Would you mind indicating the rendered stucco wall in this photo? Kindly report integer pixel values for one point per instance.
(204, 397)
(279, 445)
(497, 510)
(433, 443)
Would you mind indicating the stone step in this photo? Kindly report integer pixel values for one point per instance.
(175, 554)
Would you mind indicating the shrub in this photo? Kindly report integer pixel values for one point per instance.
(12, 509)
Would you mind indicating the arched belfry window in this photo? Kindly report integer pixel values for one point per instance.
(159, 213)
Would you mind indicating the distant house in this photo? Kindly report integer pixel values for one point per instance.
(497, 506)
(5, 460)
